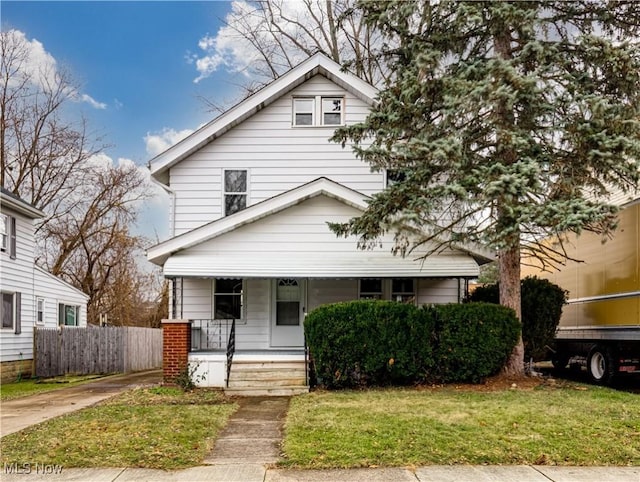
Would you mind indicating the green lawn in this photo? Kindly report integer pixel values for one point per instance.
(33, 386)
(570, 425)
(161, 428)
(564, 424)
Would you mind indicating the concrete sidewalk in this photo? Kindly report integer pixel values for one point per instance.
(24, 412)
(259, 473)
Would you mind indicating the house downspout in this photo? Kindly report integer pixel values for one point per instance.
(172, 205)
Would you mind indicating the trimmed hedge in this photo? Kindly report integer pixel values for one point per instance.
(362, 343)
(474, 340)
(541, 303)
(370, 342)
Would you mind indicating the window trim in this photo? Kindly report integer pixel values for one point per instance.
(242, 295)
(317, 114)
(226, 193)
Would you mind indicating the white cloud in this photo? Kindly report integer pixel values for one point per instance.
(229, 49)
(39, 68)
(160, 142)
(92, 102)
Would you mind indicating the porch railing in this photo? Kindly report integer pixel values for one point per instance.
(231, 348)
(211, 335)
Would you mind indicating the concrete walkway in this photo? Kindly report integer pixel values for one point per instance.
(248, 447)
(24, 412)
(259, 473)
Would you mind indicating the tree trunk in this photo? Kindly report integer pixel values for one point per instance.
(509, 266)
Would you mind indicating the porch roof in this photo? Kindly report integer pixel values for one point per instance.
(359, 264)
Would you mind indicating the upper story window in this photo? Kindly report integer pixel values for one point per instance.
(235, 191)
(394, 176)
(8, 235)
(318, 111)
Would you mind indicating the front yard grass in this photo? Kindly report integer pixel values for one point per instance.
(564, 425)
(33, 386)
(161, 428)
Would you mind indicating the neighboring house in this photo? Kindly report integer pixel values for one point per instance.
(251, 194)
(31, 297)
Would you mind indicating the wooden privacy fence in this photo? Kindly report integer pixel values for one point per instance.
(91, 349)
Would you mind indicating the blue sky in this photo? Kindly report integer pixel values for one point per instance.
(132, 59)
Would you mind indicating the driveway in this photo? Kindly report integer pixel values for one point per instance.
(23, 412)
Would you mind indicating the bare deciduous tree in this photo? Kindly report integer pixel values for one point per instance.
(264, 39)
(49, 158)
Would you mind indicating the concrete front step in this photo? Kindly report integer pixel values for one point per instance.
(266, 391)
(257, 365)
(277, 382)
(266, 374)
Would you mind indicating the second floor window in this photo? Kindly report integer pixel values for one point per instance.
(235, 191)
(8, 235)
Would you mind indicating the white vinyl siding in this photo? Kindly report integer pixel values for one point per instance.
(53, 292)
(278, 158)
(17, 276)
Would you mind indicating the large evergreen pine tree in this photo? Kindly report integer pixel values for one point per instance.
(509, 122)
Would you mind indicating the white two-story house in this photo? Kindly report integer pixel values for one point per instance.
(31, 297)
(251, 195)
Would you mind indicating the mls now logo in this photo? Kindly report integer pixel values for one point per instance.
(29, 468)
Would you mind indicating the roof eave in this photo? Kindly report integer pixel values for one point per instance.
(314, 65)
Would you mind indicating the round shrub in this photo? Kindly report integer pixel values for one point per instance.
(473, 341)
(541, 303)
(369, 342)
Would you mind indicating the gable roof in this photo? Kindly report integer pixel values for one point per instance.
(159, 253)
(62, 282)
(316, 64)
(10, 200)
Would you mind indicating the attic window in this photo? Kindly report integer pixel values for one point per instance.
(318, 111)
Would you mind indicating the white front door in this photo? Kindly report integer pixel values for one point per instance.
(287, 314)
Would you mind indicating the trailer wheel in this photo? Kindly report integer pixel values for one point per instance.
(601, 365)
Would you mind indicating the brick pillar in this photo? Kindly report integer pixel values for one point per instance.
(176, 343)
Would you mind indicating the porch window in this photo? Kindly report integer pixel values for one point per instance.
(68, 315)
(235, 191)
(288, 303)
(227, 299)
(403, 290)
(371, 289)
